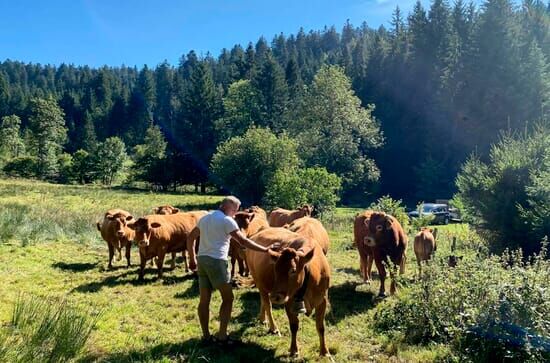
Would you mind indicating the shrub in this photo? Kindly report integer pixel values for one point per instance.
(509, 196)
(394, 207)
(315, 186)
(23, 166)
(488, 309)
(245, 165)
(46, 330)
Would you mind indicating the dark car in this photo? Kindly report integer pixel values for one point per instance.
(439, 211)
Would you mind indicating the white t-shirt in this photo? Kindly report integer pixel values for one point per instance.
(215, 230)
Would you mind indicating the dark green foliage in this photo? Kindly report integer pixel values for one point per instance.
(244, 165)
(314, 186)
(487, 308)
(392, 207)
(510, 194)
(22, 166)
(12, 144)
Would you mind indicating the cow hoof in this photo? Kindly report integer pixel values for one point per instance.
(275, 332)
(382, 295)
(293, 354)
(110, 267)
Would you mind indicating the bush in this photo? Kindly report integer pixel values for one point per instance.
(422, 220)
(315, 186)
(393, 207)
(245, 165)
(488, 309)
(45, 330)
(509, 197)
(23, 166)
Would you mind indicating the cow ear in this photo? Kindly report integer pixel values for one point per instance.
(175, 210)
(366, 222)
(251, 217)
(109, 217)
(129, 218)
(155, 210)
(155, 225)
(388, 222)
(305, 257)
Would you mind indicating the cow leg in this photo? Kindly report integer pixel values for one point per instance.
(265, 311)
(382, 274)
(241, 266)
(173, 264)
(142, 263)
(320, 324)
(402, 264)
(370, 260)
(128, 248)
(294, 325)
(184, 255)
(419, 263)
(393, 276)
(111, 254)
(233, 260)
(160, 264)
(119, 252)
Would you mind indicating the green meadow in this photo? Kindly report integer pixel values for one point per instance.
(50, 249)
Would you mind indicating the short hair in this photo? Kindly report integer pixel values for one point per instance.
(231, 199)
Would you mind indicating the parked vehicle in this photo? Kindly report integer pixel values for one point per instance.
(441, 212)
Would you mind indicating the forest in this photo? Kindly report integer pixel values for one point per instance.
(395, 110)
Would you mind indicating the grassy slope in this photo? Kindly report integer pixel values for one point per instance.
(156, 321)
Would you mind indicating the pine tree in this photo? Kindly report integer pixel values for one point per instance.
(12, 145)
(270, 86)
(49, 133)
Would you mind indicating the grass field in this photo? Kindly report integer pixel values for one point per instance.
(49, 246)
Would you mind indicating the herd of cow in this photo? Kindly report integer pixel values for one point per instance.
(299, 266)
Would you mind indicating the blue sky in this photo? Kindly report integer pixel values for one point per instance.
(137, 32)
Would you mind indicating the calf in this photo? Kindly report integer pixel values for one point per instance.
(313, 228)
(279, 216)
(387, 241)
(115, 232)
(424, 246)
(360, 233)
(299, 270)
(250, 222)
(157, 235)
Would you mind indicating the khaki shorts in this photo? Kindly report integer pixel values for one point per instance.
(212, 272)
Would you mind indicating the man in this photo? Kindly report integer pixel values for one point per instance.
(216, 230)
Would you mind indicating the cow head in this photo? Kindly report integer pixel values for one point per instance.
(243, 220)
(165, 209)
(378, 225)
(143, 228)
(119, 221)
(306, 210)
(453, 260)
(289, 272)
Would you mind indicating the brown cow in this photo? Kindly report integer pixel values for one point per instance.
(250, 222)
(424, 246)
(157, 235)
(313, 228)
(387, 240)
(360, 232)
(279, 216)
(115, 232)
(299, 267)
(165, 210)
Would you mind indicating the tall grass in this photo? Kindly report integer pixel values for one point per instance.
(45, 330)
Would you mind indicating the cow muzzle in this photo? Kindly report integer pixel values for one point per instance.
(278, 298)
(120, 233)
(369, 241)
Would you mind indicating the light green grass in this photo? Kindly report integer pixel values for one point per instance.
(63, 256)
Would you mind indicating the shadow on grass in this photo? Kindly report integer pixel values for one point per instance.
(128, 278)
(346, 301)
(355, 272)
(192, 350)
(75, 267)
(191, 292)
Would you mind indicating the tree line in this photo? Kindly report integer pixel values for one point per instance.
(389, 110)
